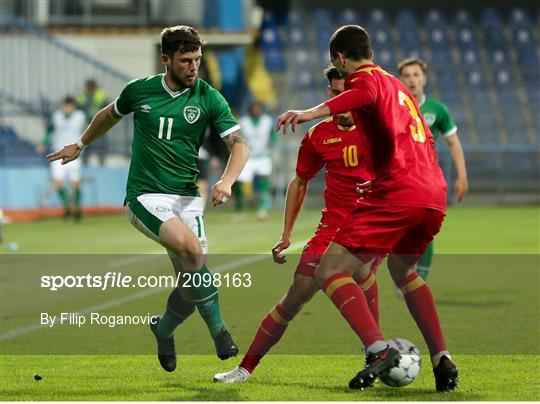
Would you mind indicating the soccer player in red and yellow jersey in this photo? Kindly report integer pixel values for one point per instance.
(401, 215)
(335, 144)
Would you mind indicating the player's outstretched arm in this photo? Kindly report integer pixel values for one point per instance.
(461, 184)
(296, 193)
(101, 124)
(294, 118)
(236, 143)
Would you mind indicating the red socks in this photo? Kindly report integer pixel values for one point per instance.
(270, 332)
(371, 292)
(351, 302)
(422, 307)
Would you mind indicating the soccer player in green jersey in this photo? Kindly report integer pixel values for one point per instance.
(171, 112)
(413, 74)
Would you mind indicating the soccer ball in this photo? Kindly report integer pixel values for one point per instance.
(409, 365)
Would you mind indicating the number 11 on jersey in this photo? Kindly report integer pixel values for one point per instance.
(169, 127)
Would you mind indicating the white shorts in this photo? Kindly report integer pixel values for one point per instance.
(261, 166)
(149, 211)
(67, 172)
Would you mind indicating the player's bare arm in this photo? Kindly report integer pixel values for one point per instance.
(294, 117)
(296, 193)
(102, 122)
(236, 143)
(461, 184)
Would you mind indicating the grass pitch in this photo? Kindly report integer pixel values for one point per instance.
(485, 278)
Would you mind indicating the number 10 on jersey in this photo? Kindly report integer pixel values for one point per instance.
(169, 128)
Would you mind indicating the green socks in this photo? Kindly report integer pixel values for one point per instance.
(264, 194)
(178, 309)
(77, 197)
(206, 299)
(422, 268)
(62, 194)
(239, 198)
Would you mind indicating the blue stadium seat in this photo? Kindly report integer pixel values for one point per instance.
(519, 17)
(406, 19)
(466, 38)
(475, 78)
(298, 37)
(380, 38)
(434, 19)
(490, 17)
(441, 57)
(527, 57)
(438, 37)
(322, 18)
(499, 57)
(462, 19)
(378, 19)
(349, 16)
(522, 38)
(386, 58)
(470, 57)
(494, 37)
(295, 19)
(322, 37)
(274, 60)
(270, 39)
(409, 39)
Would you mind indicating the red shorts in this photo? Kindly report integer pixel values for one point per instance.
(317, 245)
(376, 230)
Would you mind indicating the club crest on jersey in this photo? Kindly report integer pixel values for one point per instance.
(429, 118)
(191, 114)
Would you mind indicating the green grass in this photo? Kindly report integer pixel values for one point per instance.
(486, 280)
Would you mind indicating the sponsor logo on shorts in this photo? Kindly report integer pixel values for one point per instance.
(163, 209)
(191, 114)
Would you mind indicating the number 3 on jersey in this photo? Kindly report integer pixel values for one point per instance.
(169, 127)
(418, 132)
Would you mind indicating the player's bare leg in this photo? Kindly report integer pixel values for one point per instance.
(334, 277)
(272, 328)
(422, 307)
(187, 257)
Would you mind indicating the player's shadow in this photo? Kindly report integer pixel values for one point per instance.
(422, 394)
(214, 392)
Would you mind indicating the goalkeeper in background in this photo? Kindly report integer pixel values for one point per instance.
(413, 74)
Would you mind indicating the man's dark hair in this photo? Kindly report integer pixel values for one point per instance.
(411, 62)
(353, 41)
(69, 100)
(180, 38)
(332, 73)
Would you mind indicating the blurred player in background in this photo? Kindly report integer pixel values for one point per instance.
(171, 113)
(65, 127)
(91, 100)
(413, 74)
(335, 144)
(258, 128)
(401, 214)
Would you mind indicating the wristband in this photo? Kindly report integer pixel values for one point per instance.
(81, 145)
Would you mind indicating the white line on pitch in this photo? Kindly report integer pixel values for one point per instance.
(149, 292)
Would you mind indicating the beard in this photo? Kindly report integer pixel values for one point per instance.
(178, 81)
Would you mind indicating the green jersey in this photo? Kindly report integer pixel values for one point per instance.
(437, 117)
(168, 131)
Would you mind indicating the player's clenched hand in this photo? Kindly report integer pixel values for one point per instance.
(67, 154)
(292, 118)
(363, 188)
(281, 245)
(461, 187)
(221, 192)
